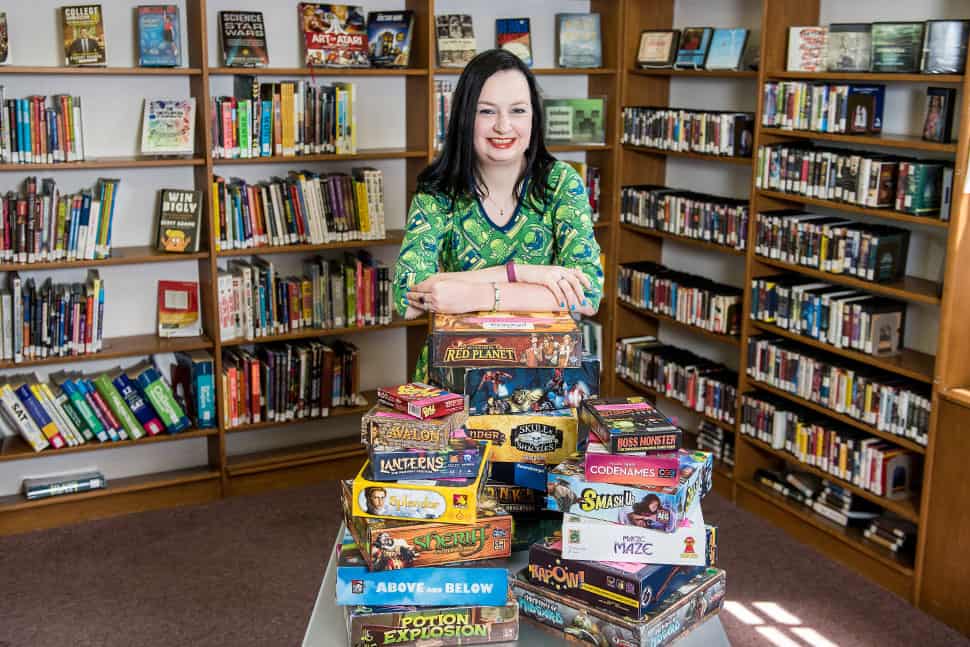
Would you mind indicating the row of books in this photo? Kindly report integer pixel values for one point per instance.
(716, 440)
(682, 130)
(293, 381)
(48, 320)
(303, 207)
(593, 182)
(832, 244)
(255, 300)
(443, 90)
(867, 462)
(701, 216)
(41, 130)
(688, 298)
(920, 187)
(695, 48)
(892, 533)
(42, 224)
(284, 118)
(699, 384)
(886, 401)
(823, 107)
(835, 315)
(74, 409)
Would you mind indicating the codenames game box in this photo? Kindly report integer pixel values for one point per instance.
(461, 460)
(500, 339)
(385, 427)
(680, 612)
(655, 508)
(410, 626)
(629, 425)
(625, 589)
(651, 470)
(389, 545)
(445, 500)
(548, 437)
(485, 583)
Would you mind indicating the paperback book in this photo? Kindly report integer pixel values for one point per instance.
(848, 47)
(455, 38)
(4, 39)
(179, 217)
(83, 35)
(178, 309)
(159, 36)
(896, 46)
(806, 48)
(335, 35)
(945, 49)
(578, 40)
(727, 46)
(692, 51)
(389, 38)
(514, 35)
(168, 127)
(940, 106)
(243, 36)
(575, 121)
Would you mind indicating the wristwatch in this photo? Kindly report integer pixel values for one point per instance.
(498, 297)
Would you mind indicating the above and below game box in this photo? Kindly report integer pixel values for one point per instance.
(385, 427)
(411, 626)
(629, 425)
(501, 339)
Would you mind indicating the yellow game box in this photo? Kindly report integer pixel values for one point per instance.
(446, 501)
(549, 437)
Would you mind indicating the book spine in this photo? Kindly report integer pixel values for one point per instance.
(85, 411)
(141, 409)
(118, 407)
(20, 419)
(37, 412)
(161, 398)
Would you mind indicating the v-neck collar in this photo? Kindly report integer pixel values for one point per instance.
(515, 214)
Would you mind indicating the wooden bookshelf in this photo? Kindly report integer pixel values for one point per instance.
(885, 214)
(884, 140)
(867, 77)
(730, 159)
(318, 71)
(313, 333)
(646, 390)
(734, 340)
(38, 70)
(543, 71)
(18, 449)
(360, 155)
(130, 255)
(685, 240)
(699, 74)
(118, 347)
(394, 237)
(118, 161)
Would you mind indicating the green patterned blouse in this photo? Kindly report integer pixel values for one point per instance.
(439, 238)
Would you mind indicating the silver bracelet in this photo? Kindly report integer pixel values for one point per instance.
(498, 297)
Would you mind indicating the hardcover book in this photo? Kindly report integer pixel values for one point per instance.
(848, 47)
(168, 127)
(389, 38)
(179, 216)
(42, 488)
(945, 49)
(335, 35)
(455, 39)
(243, 36)
(806, 48)
(514, 35)
(940, 106)
(897, 46)
(178, 309)
(727, 46)
(4, 40)
(83, 35)
(578, 40)
(658, 47)
(575, 121)
(159, 36)
(692, 51)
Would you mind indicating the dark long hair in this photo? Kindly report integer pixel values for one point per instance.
(454, 172)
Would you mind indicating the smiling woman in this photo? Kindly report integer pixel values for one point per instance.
(497, 222)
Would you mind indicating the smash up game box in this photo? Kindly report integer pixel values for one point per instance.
(500, 339)
(410, 626)
(548, 437)
(461, 460)
(385, 427)
(629, 425)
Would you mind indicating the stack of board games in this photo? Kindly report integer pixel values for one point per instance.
(524, 375)
(634, 562)
(417, 560)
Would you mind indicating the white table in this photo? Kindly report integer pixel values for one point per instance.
(328, 628)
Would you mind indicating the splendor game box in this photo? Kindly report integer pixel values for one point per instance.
(421, 400)
(679, 613)
(499, 339)
(549, 437)
(626, 589)
(521, 390)
(484, 583)
(660, 508)
(410, 626)
(385, 427)
(444, 500)
(692, 544)
(627, 425)
(461, 460)
(387, 545)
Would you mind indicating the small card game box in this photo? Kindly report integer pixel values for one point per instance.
(521, 390)
(421, 400)
(549, 437)
(385, 427)
(484, 583)
(652, 470)
(411, 626)
(679, 613)
(660, 508)
(629, 425)
(515, 499)
(461, 460)
(386, 544)
(625, 589)
(500, 339)
(446, 500)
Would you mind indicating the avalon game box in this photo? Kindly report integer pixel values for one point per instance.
(461, 460)
(680, 612)
(503, 339)
(629, 425)
(548, 437)
(411, 626)
(385, 427)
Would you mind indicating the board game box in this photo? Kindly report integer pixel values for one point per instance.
(388, 545)
(461, 460)
(411, 626)
(484, 583)
(421, 400)
(628, 425)
(533, 527)
(679, 613)
(335, 35)
(389, 37)
(549, 437)
(625, 589)
(445, 500)
(692, 544)
(385, 427)
(653, 470)
(660, 508)
(516, 390)
(515, 499)
(530, 475)
(500, 339)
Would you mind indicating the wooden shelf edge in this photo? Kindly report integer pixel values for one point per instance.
(746, 161)
(725, 339)
(100, 71)
(336, 412)
(118, 347)
(312, 333)
(695, 242)
(881, 140)
(394, 237)
(24, 452)
(106, 162)
(958, 396)
(293, 456)
(135, 255)
(319, 71)
(666, 71)
(361, 154)
(540, 71)
(865, 76)
(885, 214)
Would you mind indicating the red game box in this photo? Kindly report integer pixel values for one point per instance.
(499, 339)
(421, 400)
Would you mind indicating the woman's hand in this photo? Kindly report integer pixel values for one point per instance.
(567, 284)
(450, 296)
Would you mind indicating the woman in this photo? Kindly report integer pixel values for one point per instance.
(497, 223)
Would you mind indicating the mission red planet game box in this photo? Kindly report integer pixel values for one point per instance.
(629, 425)
(385, 427)
(500, 339)
(410, 626)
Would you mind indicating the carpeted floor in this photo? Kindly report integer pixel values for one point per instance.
(244, 572)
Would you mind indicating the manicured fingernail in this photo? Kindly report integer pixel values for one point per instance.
(572, 307)
(562, 305)
(584, 301)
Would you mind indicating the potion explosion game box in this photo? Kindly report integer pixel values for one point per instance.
(509, 435)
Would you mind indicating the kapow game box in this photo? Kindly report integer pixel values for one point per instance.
(500, 339)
